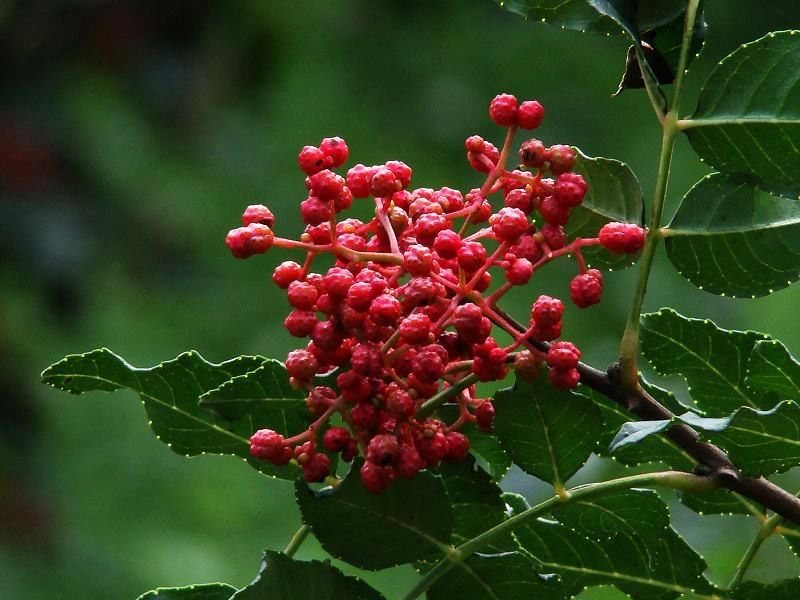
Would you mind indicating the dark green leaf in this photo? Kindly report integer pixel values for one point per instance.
(599, 544)
(654, 449)
(282, 578)
(732, 239)
(476, 501)
(170, 393)
(791, 533)
(549, 433)
(774, 369)
(712, 360)
(788, 589)
(614, 194)
(204, 591)
(263, 398)
(759, 442)
(747, 122)
(507, 576)
(720, 502)
(409, 521)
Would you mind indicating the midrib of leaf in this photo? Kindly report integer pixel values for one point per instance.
(141, 392)
(709, 365)
(734, 120)
(631, 578)
(670, 232)
(553, 462)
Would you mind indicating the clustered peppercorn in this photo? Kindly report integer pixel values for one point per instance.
(403, 322)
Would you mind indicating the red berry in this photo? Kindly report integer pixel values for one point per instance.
(301, 364)
(530, 114)
(570, 189)
(300, 323)
(418, 260)
(376, 478)
(433, 447)
(326, 335)
(622, 238)
(258, 213)
(311, 160)
(383, 449)
(526, 366)
(428, 226)
(503, 110)
(317, 468)
(336, 439)
(554, 236)
(358, 180)
(474, 143)
(533, 153)
(428, 365)
(509, 224)
(266, 444)
(415, 328)
(384, 183)
(326, 185)
(302, 295)
(563, 356)
(335, 150)
(447, 243)
(401, 171)
(457, 446)
(244, 242)
(547, 333)
(360, 295)
(519, 198)
(561, 159)
(384, 310)
(367, 360)
(337, 282)
(586, 289)
(547, 311)
(565, 380)
(320, 399)
(471, 256)
(553, 212)
(315, 211)
(484, 415)
(519, 272)
(408, 462)
(400, 405)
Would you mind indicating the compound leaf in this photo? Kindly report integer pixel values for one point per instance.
(732, 239)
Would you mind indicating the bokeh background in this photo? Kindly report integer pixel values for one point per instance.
(132, 134)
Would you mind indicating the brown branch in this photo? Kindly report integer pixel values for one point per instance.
(711, 460)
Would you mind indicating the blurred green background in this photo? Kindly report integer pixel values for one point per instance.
(132, 134)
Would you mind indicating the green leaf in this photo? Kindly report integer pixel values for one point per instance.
(606, 541)
(549, 433)
(791, 533)
(263, 398)
(654, 449)
(476, 502)
(614, 194)
(747, 122)
(283, 578)
(170, 393)
(482, 445)
(772, 368)
(612, 17)
(507, 576)
(204, 591)
(732, 239)
(719, 502)
(759, 442)
(788, 589)
(712, 360)
(409, 521)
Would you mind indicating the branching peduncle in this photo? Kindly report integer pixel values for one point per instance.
(669, 479)
(629, 347)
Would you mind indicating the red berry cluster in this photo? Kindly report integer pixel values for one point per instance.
(403, 322)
